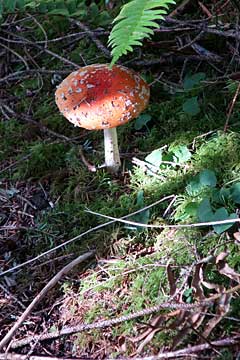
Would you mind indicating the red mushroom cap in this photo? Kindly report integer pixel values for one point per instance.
(100, 97)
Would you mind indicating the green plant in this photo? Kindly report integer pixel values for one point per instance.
(134, 23)
(54, 7)
(57, 7)
(178, 154)
(142, 121)
(191, 83)
(209, 202)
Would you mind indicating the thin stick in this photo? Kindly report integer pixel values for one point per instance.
(30, 72)
(165, 226)
(180, 8)
(90, 166)
(16, 54)
(93, 37)
(117, 320)
(64, 60)
(15, 163)
(205, 9)
(13, 297)
(167, 355)
(42, 293)
(105, 323)
(78, 35)
(190, 350)
(42, 29)
(28, 119)
(231, 107)
(83, 234)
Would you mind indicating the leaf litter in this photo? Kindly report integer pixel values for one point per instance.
(112, 301)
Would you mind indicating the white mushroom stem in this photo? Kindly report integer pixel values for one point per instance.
(112, 157)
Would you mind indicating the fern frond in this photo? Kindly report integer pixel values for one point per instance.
(134, 23)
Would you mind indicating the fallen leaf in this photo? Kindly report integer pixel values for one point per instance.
(221, 310)
(225, 269)
(197, 280)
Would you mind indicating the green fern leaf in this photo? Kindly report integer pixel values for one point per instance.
(134, 23)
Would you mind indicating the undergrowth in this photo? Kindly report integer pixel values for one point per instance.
(178, 139)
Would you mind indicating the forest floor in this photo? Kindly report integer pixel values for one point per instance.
(170, 290)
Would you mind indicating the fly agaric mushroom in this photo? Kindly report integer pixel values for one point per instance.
(99, 97)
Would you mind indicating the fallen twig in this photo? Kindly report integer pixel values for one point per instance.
(16, 54)
(106, 323)
(90, 166)
(191, 350)
(180, 8)
(205, 9)
(29, 42)
(28, 119)
(29, 73)
(166, 355)
(42, 293)
(15, 163)
(165, 226)
(83, 234)
(231, 107)
(13, 297)
(93, 37)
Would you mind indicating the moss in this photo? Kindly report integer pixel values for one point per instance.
(177, 245)
(168, 182)
(213, 155)
(11, 138)
(84, 341)
(44, 159)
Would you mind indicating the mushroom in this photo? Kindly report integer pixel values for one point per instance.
(99, 97)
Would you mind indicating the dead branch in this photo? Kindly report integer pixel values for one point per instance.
(20, 75)
(93, 37)
(28, 119)
(32, 43)
(190, 350)
(16, 54)
(106, 323)
(230, 341)
(180, 8)
(166, 226)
